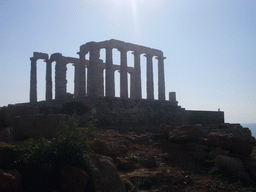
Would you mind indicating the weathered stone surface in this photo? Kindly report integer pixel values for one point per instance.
(123, 149)
(37, 125)
(2, 116)
(101, 147)
(199, 155)
(123, 163)
(14, 111)
(230, 143)
(10, 180)
(185, 133)
(231, 163)
(7, 135)
(164, 130)
(75, 179)
(195, 147)
(104, 175)
(148, 162)
(250, 166)
(215, 153)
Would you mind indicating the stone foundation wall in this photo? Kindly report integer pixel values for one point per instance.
(205, 117)
(130, 112)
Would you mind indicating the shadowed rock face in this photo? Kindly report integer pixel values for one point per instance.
(229, 142)
(37, 125)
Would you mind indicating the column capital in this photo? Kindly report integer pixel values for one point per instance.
(48, 61)
(33, 59)
(147, 55)
(82, 53)
(122, 49)
(136, 53)
(160, 58)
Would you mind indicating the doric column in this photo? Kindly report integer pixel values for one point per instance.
(150, 83)
(81, 79)
(60, 79)
(76, 80)
(132, 85)
(100, 79)
(161, 81)
(110, 86)
(93, 70)
(137, 75)
(123, 74)
(33, 81)
(48, 92)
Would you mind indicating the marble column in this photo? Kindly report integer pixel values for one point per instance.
(93, 70)
(133, 84)
(137, 75)
(110, 85)
(100, 79)
(76, 80)
(150, 83)
(123, 74)
(161, 79)
(48, 92)
(81, 79)
(60, 79)
(33, 81)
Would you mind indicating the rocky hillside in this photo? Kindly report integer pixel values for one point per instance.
(220, 157)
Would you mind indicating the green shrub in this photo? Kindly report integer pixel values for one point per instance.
(232, 176)
(129, 185)
(67, 148)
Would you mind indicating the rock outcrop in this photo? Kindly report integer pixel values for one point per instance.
(37, 125)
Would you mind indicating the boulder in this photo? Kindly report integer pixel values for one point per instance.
(148, 162)
(7, 135)
(10, 180)
(104, 175)
(230, 163)
(123, 163)
(75, 179)
(13, 111)
(195, 147)
(164, 130)
(101, 147)
(213, 154)
(250, 165)
(185, 133)
(123, 149)
(229, 142)
(37, 125)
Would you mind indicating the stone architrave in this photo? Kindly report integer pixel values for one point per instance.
(33, 81)
(161, 83)
(137, 75)
(110, 86)
(48, 93)
(150, 83)
(93, 70)
(123, 74)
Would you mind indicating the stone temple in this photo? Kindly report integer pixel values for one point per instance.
(91, 89)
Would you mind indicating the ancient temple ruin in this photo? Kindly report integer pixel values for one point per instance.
(93, 84)
(94, 87)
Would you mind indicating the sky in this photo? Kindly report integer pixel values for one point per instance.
(209, 45)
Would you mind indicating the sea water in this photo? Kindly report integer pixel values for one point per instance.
(251, 126)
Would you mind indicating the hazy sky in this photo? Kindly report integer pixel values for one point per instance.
(209, 45)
